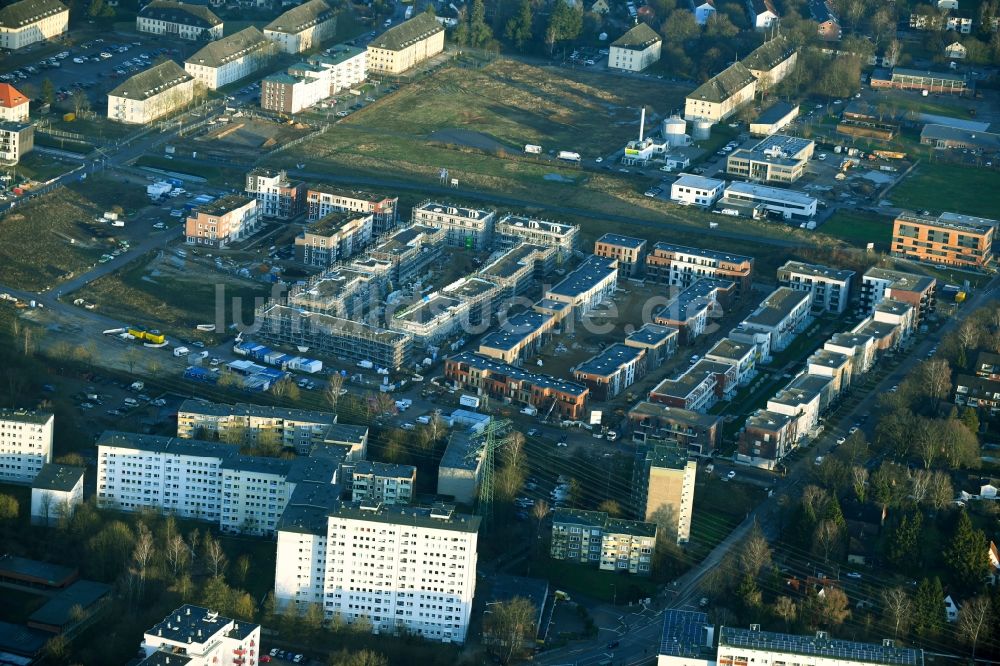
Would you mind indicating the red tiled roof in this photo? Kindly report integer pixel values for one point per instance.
(11, 96)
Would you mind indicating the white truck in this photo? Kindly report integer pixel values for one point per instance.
(158, 190)
(568, 156)
(181, 351)
(532, 149)
(469, 401)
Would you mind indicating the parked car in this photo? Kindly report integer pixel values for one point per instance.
(731, 475)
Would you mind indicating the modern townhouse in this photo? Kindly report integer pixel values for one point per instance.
(766, 438)
(487, 377)
(25, 444)
(695, 433)
(278, 197)
(587, 286)
(518, 338)
(609, 372)
(179, 20)
(783, 315)
(513, 230)
(223, 222)
(629, 252)
(743, 355)
(692, 308)
(833, 365)
(660, 343)
(470, 228)
(682, 266)
(334, 238)
(410, 251)
(16, 141)
(519, 268)
(830, 287)
(400, 569)
(325, 199)
(699, 387)
(880, 283)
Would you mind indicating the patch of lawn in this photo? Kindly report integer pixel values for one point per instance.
(214, 175)
(107, 192)
(41, 167)
(48, 141)
(48, 238)
(719, 506)
(947, 187)
(583, 579)
(859, 228)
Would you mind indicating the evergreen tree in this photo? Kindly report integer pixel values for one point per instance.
(967, 555)
(518, 29)
(480, 34)
(901, 549)
(928, 610)
(48, 91)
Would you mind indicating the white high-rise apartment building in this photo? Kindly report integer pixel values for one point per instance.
(25, 444)
(204, 480)
(403, 568)
(196, 636)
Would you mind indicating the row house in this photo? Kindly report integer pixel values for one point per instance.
(517, 339)
(629, 252)
(519, 268)
(696, 433)
(690, 310)
(698, 388)
(611, 371)
(877, 284)
(587, 286)
(660, 343)
(783, 314)
(830, 287)
(681, 266)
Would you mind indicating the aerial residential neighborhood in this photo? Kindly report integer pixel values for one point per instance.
(602, 333)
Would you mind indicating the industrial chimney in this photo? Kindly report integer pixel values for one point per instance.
(642, 122)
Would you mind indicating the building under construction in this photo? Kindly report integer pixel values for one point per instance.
(327, 335)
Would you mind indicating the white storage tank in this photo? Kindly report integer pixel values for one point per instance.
(675, 131)
(702, 129)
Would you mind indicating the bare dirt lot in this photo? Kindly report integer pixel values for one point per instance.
(252, 134)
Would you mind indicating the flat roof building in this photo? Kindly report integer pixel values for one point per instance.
(787, 204)
(778, 158)
(912, 79)
(682, 266)
(690, 308)
(587, 286)
(594, 538)
(513, 230)
(666, 493)
(609, 372)
(692, 432)
(951, 239)
(471, 228)
(336, 237)
(55, 493)
(660, 342)
(518, 338)
(225, 221)
(322, 199)
(277, 196)
(629, 252)
(25, 444)
(881, 283)
(197, 636)
(692, 190)
(830, 287)
(774, 118)
(783, 314)
(515, 270)
(767, 648)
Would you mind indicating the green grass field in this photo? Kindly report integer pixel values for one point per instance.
(946, 187)
(580, 578)
(859, 228)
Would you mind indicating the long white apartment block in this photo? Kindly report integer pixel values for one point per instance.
(25, 444)
(204, 480)
(406, 569)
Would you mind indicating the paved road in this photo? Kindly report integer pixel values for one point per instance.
(638, 643)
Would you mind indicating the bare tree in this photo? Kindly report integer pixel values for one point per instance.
(755, 553)
(215, 556)
(968, 335)
(141, 556)
(974, 616)
(786, 609)
(940, 493)
(508, 627)
(935, 377)
(898, 608)
(332, 393)
(827, 538)
(920, 484)
(859, 481)
(177, 553)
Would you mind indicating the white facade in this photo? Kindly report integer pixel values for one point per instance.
(253, 497)
(55, 493)
(229, 59)
(783, 314)
(303, 27)
(694, 190)
(587, 286)
(13, 104)
(463, 227)
(830, 287)
(29, 21)
(197, 636)
(766, 648)
(155, 26)
(787, 203)
(297, 429)
(151, 94)
(25, 444)
(402, 568)
(636, 50)
(703, 11)
(513, 230)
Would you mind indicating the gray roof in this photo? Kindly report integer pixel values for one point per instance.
(586, 276)
(778, 305)
(22, 640)
(698, 182)
(180, 12)
(299, 18)
(514, 330)
(768, 193)
(20, 567)
(407, 33)
(58, 477)
(199, 624)
(494, 366)
(222, 51)
(311, 506)
(385, 469)
(770, 54)
(675, 414)
(816, 271)
(935, 132)
(152, 81)
(25, 416)
(609, 361)
(703, 253)
(816, 646)
(464, 451)
(947, 76)
(639, 38)
(345, 433)
(602, 520)
(25, 12)
(900, 280)
(262, 411)
(723, 85)
(170, 445)
(651, 334)
(623, 241)
(58, 611)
